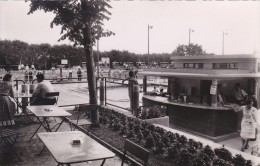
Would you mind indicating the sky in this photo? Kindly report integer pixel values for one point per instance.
(171, 21)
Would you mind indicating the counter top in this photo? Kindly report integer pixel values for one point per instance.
(165, 100)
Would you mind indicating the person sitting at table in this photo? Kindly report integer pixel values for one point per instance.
(42, 88)
(240, 94)
(155, 90)
(7, 103)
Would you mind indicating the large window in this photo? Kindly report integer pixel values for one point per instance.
(193, 65)
(224, 66)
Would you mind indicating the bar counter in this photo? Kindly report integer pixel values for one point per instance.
(208, 121)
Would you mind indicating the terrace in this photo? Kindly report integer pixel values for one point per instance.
(73, 94)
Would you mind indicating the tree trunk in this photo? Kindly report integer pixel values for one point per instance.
(91, 83)
(87, 42)
(91, 76)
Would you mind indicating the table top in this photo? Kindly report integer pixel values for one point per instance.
(61, 147)
(22, 95)
(47, 111)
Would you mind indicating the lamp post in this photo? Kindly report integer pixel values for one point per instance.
(223, 42)
(190, 30)
(149, 27)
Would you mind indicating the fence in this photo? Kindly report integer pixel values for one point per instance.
(116, 93)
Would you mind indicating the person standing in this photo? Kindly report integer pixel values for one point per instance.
(131, 82)
(7, 103)
(52, 70)
(240, 94)
(70, 74)
(30, 76)
(26, 76)
(248, 123)
(79, 73)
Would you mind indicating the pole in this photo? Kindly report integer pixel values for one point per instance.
(145, 84)
(102, 92)
(189, 36)
(223, 36)
(148, 42)
(135, 99)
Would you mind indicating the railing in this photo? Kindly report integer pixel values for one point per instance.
(61, 80)
(116, 93)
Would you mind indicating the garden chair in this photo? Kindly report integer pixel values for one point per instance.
(135, 150)
(83, 112)
(8, 136)
(53, 94)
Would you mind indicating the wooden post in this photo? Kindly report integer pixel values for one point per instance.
(102, 92)
(145, 84)
(214, 98)
(135, 100)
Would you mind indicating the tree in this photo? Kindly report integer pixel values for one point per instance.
(81, 22)
(189, 50)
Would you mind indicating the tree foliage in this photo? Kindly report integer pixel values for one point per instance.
(77, 18)
(189, 50)
(38, 54)
(81, 22)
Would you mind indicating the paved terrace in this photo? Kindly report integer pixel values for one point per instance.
(69, 96)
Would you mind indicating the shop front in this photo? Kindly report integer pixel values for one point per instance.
(203, 101)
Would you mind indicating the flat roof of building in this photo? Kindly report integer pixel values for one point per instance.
(232, 56)
(199, 75)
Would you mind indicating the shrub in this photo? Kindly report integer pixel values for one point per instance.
(238, 160)
(150, 142)
(205, 157)
(223, 153)
(220, 162)
(198, 162)
(173, 152)
(208, 151)
(183, 151)
(185, 158)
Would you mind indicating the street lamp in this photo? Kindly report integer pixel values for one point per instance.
(223, 41)
(149, 27)
(190, 30)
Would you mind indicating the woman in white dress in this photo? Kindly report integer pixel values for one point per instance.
(248, 123)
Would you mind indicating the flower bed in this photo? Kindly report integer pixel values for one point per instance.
(166, 148)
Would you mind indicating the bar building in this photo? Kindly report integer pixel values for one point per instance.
(193, 87)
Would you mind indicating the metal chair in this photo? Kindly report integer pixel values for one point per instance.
(83, 113)
(8, 136)
(53, 94)
(135, 150)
